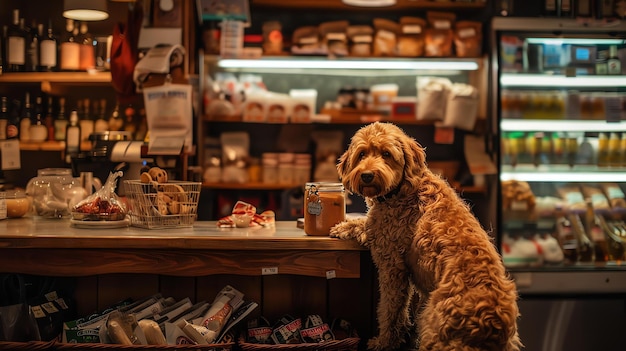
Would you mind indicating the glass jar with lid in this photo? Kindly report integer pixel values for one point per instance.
(54, 192)
(324, 207)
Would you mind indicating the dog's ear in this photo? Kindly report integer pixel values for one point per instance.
(415, 157)
(342, 164)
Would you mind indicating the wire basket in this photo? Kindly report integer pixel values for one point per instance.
(162, 205)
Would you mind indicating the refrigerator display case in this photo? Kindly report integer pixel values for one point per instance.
(558, 96)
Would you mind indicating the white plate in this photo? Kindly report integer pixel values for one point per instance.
(100, 224)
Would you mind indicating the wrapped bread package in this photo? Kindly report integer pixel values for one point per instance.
(385, 38)
(468, 37)
(334, 37)
(361, 38)
(439, 35)
(411, 38)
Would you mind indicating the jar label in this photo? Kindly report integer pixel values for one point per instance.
(314, 208)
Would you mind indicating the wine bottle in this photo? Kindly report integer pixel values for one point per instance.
(116, 122)
(38, 130)
(26, 119)
(87, 50)
(70, 49)
(101, 124)
(60, 123)
(13, 128)
(16, 45)
(49, 119)
(48, 48)
(4, 117)
(32, 47)
(86, 121)
(72, 138)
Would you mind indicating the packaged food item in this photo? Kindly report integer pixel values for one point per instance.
(383, 95)
(468, 39)
(303, 103)
(103, 205)
(334, 37)
(278, 107)
(432, 95)
(272, 38)
(235, 152)
(615, 195)
(361, 38)
(411, 37)
(226, 301)
(598, 200)
(385, 39)
(255, 107)
(259, 331)
(462, 107)
(287, 330)
(574, 199)
(517, 196)
(306, 41)
(316, 330)
(439, 36)
(152, 332)
(324, 207)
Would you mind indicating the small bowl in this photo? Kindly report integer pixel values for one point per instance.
(18, 204)
(242, 220)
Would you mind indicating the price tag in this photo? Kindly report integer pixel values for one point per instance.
(331, 274)
(444, 135)
(269, 270)
(10, 154)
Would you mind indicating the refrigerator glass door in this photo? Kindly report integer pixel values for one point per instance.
(558, 101)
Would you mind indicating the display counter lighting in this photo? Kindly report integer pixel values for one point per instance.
(575, 41)
(564, 177)
(533, 125)
(544, 80)
(349, 64)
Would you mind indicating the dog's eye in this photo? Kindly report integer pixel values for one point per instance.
(386, 154)
(361, 154)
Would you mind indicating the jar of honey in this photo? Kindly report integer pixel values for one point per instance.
(324, 207)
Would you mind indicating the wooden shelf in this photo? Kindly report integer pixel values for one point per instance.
(50, 79)
(338, 119)
(339, 5)
(248, 186)
(50, 146)
(56, 77)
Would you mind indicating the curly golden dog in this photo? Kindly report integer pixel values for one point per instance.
(431, 252)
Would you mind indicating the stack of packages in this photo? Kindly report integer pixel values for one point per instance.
(290, 330)
(163, 321)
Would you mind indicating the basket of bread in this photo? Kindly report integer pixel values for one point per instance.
(156, 202)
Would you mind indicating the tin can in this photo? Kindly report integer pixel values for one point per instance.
(324, 207)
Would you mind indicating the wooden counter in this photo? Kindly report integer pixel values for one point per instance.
(56, 248)
(281, 268)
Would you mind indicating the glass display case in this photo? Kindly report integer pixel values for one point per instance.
(558, 97)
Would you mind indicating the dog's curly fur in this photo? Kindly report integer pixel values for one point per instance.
(426, 245)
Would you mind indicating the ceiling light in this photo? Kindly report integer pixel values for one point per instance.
(369, 3)
(85, 10)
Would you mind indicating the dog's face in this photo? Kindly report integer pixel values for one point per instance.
(380, 156)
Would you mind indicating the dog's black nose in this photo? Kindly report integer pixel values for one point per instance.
(367, 177)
